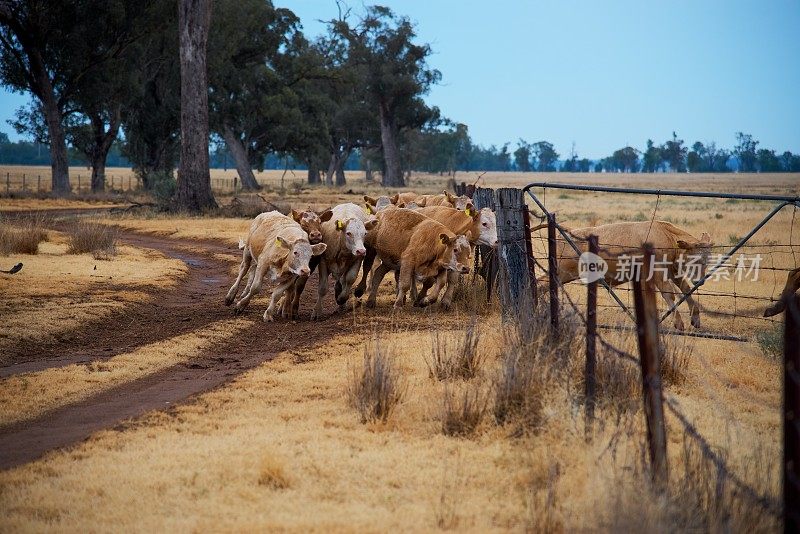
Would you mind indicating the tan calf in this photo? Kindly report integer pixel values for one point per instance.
(311, 222)
(418, 246)
(280, 247)
(445, 199)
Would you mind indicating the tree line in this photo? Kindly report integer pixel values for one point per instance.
(157, 81)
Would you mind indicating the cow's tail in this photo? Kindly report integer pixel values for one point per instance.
(14, 270)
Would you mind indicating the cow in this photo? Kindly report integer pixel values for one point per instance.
(280, 247)
(374, 205)
(792, 285)
(479, 227)
(417, 245)
(673, 247)
(445, 199)
(311, 222)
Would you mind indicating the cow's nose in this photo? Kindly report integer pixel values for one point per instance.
(316, 236)
(304, 271)
(361, 252)
(496, 242)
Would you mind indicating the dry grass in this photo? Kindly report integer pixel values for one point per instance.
(23, 237)
(459, 360)
(377, 388)
(90, 237)
(463, 411)
(272, 473)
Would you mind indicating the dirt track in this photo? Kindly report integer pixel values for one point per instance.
(193, 304)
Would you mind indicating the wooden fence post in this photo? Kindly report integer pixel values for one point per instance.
(644, 296)
(129, 182)
(79, 183)
(485, 256)
(791, 416)
(552, 268)
(591, 342)
(513, 256)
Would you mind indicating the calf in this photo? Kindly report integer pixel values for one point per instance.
(374, 205)
(445, 199)
(792, 285)
(418, 246)
(311, 222)
(279, 246)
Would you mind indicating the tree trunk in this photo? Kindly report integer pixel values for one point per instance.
(368, 176)
(331, 170)
(393, 177)
(239, 153)
(340, 179)
(194, 178)
(102, 144)
(98, 172)
(313, 174)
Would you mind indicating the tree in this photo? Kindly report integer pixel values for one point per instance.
(571, 164)
(652, 158)
(695, 161)
(767, 161)
(790, 162)
(396, 76)
(624, 160)
(745, 151)
(522, 156)
(194, 180)
(674, 154)
(54, 50)
(545, 156)
(584, 165)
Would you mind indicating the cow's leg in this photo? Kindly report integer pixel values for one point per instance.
(285, 308)
(420, 299)
(452, 280)
(322, 289)
(667, 290)
(277, 294)
(377, 277)
(346, 281)
(299, 286)
(253, 286)
(683, 284)
(405, 283)
(247, 259)
(369, 259)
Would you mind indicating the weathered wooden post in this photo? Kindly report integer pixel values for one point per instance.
(529, 251)
(791, 416)
(552, 268)
(591, 342)
(79, 183)
(129, 182)
(485, 256)
(513, 256)
(644, 296)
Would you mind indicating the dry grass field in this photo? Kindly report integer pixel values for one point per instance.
(280, 445)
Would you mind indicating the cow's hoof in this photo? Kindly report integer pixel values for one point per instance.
(445, 305)
(696, 322)
(228, 301)
(370, 304)
(358, 292)
(268, 318)
(238, 310)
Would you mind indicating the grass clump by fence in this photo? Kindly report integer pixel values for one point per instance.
(377, 388)
(22, 238)
(770, 340)
(463, 411)
(89, 237)
(459, 360)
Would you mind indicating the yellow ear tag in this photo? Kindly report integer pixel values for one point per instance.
(339, 225)
(466, 210)
(368, 209)
(278, 241)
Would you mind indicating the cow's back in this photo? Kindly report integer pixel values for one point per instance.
(455, 220)
(266, 228)
(394, 230)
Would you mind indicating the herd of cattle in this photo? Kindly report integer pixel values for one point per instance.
(429, 239)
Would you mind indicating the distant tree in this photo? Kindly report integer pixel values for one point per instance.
(695, 159)
(652, 158)
(674, 154)
(584, 165)
(571, 163)
(767, 161)
(790, 162)
(194, 180)
(545, 156)
(625, 160)
(598, 167)
(396, 76)
(745, 151)
(522, 156)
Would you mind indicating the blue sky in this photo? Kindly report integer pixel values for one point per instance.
(602, 74)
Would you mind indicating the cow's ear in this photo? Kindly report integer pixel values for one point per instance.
(370, 224)
(444, 239)
(282, 242)
(318, 249)
(296, 215)
(339, 225)
(369, 200)
(401, 205)
(421, 201)
(326, 215)
(395, 198)
(369, 209)
(450, 197)
(705, 239)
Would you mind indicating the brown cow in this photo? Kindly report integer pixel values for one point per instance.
(791, 287)
(673, 248)
(279, 246)
(445, 199)
(311, 222)
(419, 246)
(374, 205)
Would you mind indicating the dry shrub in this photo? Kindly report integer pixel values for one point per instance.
(459, 360)
(675, 355)
(541, 501)
(462, 413)
(22, 238)
(272, 473)
(377, 388)
(618, 384)
(519, 390)
(98, 239)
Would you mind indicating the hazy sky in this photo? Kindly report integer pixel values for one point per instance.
(602, 74)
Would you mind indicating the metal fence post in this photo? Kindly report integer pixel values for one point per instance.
(647, 333)
(552, 268)
(591, 342)
(791, 416)
(512, 254)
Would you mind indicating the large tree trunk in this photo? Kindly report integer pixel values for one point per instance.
(194, 178)
(393, 176)
(102, 144)
(368, 172)
(336, 168)
(239, 153)
(313, 175)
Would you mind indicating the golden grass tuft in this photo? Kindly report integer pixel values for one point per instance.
(459, 360)
(90, 237)
(463, 411)
(377, 388)
(22, 238)
(272, 473)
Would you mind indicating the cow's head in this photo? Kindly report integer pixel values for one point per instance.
(484, 226)
(700, 248)
(458, 202)
(311, 223)
(462, 255)
(298, 254)
(354, 230)
(374, 205)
